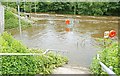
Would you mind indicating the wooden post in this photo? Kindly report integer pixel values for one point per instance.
(1, 18)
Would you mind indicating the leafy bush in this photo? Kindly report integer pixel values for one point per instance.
(109, 56)
(11, 9)
(11, 21)
(42, 64)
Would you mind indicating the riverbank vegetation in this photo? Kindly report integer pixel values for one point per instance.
(11, 20)
(109, 56)
(42, 64)
(79, 8)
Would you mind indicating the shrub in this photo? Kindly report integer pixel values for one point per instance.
(11, 21)
(109, 56)
(42, 64)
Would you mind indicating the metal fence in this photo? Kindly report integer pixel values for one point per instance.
(32, 54)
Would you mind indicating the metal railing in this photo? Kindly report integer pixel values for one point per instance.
(26, 54)
(105, 68)
(17, 54)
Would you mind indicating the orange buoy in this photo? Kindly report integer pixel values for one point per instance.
(67, 29)
(67, 22)
(112, 33)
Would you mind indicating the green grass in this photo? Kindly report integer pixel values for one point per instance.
(43, 64)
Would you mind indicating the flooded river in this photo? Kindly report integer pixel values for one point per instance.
(49, 33)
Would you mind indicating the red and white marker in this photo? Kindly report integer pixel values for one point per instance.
(112, 33)
(106, 34)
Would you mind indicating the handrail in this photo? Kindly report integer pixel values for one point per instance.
(106, 69)
(55, 50)
(12, 54)
(25, 54)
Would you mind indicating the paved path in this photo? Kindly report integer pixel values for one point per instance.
(67, 69)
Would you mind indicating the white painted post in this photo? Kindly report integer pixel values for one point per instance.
(109, 71)
(106, 36)
(35, 6)
(1, 19)
(18, 3)
(105, 68)
(24, 7)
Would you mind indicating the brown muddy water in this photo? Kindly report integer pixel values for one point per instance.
(80, 44)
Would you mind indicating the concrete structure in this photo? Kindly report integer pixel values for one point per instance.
(1, 18)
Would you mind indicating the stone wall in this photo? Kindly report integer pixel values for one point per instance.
(1, 18)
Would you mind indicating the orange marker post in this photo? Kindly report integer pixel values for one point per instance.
(67, 22)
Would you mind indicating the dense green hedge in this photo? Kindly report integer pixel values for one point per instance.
(43, 64)
(109, 56)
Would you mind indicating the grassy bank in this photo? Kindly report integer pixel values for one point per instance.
(11, 21)
(109, 56)
(43, 64)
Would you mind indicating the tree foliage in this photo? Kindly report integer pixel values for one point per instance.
(80, 8)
